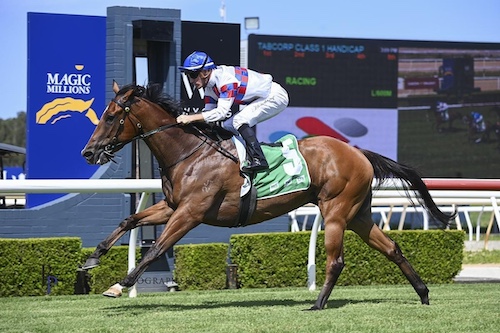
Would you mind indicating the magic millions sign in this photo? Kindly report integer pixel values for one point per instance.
(66, 94)
(74, 83)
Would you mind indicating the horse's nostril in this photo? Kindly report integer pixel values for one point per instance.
(86, 153)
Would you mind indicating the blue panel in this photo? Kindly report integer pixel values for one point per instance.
(448, 74)
(66, 95)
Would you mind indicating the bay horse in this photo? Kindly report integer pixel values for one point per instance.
(202, 185)
(441, 122)
(481, 133)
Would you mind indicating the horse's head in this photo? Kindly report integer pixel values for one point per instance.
(122, 122)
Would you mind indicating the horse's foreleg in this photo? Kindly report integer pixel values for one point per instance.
(104, 246)
(178, 226)
(379, 241)
(156, 214)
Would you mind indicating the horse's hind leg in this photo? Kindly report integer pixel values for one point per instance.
(334, 234)
(156, 214)
(336, 213)
(376, 239)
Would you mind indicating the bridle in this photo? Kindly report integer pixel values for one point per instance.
(127, 110)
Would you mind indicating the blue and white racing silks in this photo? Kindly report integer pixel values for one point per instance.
(229, 85)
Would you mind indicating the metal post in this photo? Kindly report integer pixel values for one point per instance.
(132, 243)
(311, 260)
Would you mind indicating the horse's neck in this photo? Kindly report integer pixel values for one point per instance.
(172, 145)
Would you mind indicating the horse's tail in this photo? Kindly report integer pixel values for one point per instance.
(385, 168)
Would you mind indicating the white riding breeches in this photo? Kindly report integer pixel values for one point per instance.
(261, 109)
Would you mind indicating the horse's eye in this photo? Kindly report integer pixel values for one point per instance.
(110, 119)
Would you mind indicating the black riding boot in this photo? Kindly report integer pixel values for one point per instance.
(257, 160)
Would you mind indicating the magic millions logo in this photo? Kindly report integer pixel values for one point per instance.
(75, 84)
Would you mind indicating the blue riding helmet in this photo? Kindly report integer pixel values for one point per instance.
(477, 117)
(197, 61)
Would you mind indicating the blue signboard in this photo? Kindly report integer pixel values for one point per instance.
(66, 95)
(13, 173)
(448, 74)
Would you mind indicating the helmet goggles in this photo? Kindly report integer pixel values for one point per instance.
(195, 63)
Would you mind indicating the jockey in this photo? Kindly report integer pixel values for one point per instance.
(478, 121)
(259, 97)
(442, 110)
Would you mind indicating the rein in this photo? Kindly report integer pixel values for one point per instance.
(187, 156)
(219, 148)
(118, 145)
(127, 110)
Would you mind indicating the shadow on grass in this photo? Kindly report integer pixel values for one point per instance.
(137, 309)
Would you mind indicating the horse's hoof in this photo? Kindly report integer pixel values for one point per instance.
(313, 308)
(112, 292)
(91, 263)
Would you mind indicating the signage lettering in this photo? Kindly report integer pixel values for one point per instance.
(300, 81)
(381, 93)
(78, 84)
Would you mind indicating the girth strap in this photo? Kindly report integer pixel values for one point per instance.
(248, 203)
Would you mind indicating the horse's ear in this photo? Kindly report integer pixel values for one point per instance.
(116, 89)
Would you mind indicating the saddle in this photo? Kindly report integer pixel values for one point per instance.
(287, 173)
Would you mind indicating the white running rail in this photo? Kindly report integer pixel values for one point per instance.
(466, 195)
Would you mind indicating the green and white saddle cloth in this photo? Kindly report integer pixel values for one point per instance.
(287, 171)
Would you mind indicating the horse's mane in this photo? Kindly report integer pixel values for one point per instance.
(153, 93)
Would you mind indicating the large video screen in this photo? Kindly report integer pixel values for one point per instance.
(414, 101)
(325, 72)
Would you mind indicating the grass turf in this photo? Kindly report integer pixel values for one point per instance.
(454, 308)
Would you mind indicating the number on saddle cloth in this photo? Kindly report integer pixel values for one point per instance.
(287, 171)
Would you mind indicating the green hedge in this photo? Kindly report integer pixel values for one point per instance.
(271, 259)
(112, 269)
(280, 259)
(200, 266)
(263, 260)
(25, 265)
